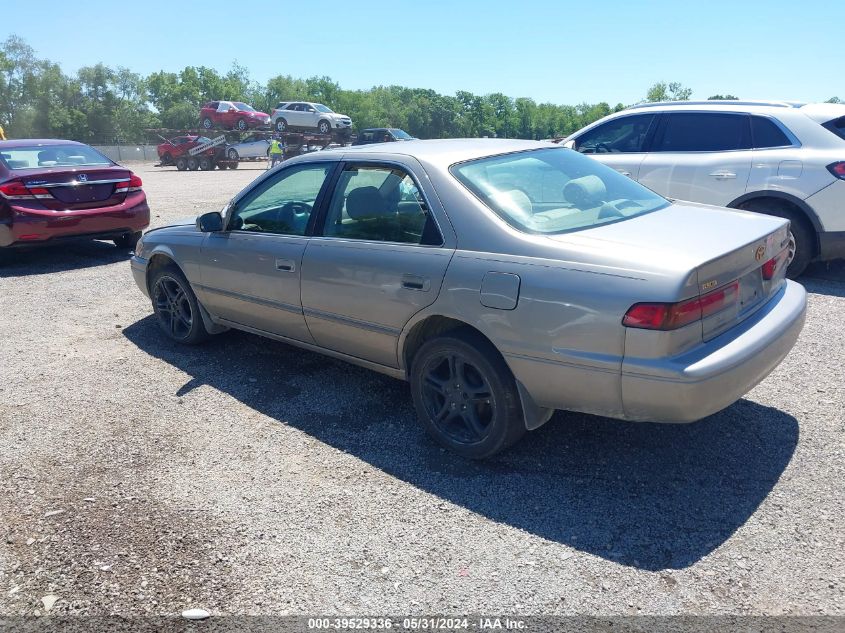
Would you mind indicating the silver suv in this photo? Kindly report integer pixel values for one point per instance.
(779, 158)
(303, 115)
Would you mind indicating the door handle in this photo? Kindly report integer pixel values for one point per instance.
(415, 282)
(286, 265)
(723, 174)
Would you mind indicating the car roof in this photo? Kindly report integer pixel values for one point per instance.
(29, 142)
(442, 152)
(817, 111)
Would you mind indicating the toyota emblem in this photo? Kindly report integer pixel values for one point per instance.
(760, 253)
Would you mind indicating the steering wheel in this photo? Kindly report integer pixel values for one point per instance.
(602, 148)
(296, 208)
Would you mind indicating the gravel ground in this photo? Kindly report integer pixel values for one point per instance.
(249, 477)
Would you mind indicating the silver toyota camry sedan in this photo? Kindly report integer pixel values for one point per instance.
(503, 279)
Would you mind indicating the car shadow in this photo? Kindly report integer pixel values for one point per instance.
(649, 496)
(827, 278)
(59, 258)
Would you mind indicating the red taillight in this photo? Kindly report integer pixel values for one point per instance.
(133, 184)
(837, 169)
(15, 190)
(671, 316)
(771, 267)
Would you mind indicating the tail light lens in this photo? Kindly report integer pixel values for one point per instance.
(671, 316)
(771, 267)
(837, 169)
(133, 184)
(17, 190)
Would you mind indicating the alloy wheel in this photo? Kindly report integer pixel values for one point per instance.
(172, 307)
(457, 398)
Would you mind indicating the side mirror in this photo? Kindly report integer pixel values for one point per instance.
(210, 222)
(233, 110)
(570, 144)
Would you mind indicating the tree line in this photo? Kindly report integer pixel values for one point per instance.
(101, 104)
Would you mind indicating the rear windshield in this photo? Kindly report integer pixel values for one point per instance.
(554, 190)
(51, 156)
(837, 126)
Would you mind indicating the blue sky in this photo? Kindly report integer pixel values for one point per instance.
(561, 52)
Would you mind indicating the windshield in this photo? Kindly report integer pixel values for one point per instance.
(554, 190)
(244, 107)
(401, 134)
(321, 108)
(837, 126)
(51, 156)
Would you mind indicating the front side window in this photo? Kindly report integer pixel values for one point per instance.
(281, 204)
(323, 108)
(243, 107)
(554, 190)
(380, 203)
(766, 134)
(624, 135)
(400, 134)
(703, 132)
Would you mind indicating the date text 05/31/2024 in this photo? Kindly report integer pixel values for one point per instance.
(417, 624)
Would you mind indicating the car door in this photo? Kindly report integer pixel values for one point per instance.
(309, 116)
(250, 272)
(378, 257)
(294, 114)
(700, 156)
(619, 143)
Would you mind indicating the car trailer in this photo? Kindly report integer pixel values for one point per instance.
(207, 156)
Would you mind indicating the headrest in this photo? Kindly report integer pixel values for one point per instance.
(365, 202)
(514, 202)
(587, 191)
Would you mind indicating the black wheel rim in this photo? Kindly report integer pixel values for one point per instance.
(172, 307)
(457, 398)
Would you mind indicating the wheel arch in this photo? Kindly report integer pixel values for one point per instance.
(427, 326)
(805, 210)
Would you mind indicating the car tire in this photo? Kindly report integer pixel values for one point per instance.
(207, 123)
(242, 125)
(167, 159)
(127, 241)
(801, 235)
(193, 164)
(206, 164)
(175, 306)
(466, 396)
(233, 165)
(281, 125)
(324, 127)
(232, 154)
(181, 163)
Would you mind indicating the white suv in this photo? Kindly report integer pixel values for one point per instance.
(779, 158)
(302, 115)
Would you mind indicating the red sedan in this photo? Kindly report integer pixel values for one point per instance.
(52, 190)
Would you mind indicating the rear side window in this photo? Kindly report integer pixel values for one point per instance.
(703, 132)
(766, 134)
(624, 135)
(837, 126)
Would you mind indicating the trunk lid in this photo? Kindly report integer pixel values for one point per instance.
(77, 189)
(717, 246)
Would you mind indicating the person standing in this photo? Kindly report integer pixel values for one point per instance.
(276, 152)
(2, 133)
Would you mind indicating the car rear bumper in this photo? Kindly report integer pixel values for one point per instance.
(716, 374)
(32, 227)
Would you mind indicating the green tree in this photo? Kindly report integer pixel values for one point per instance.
(673, 91)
